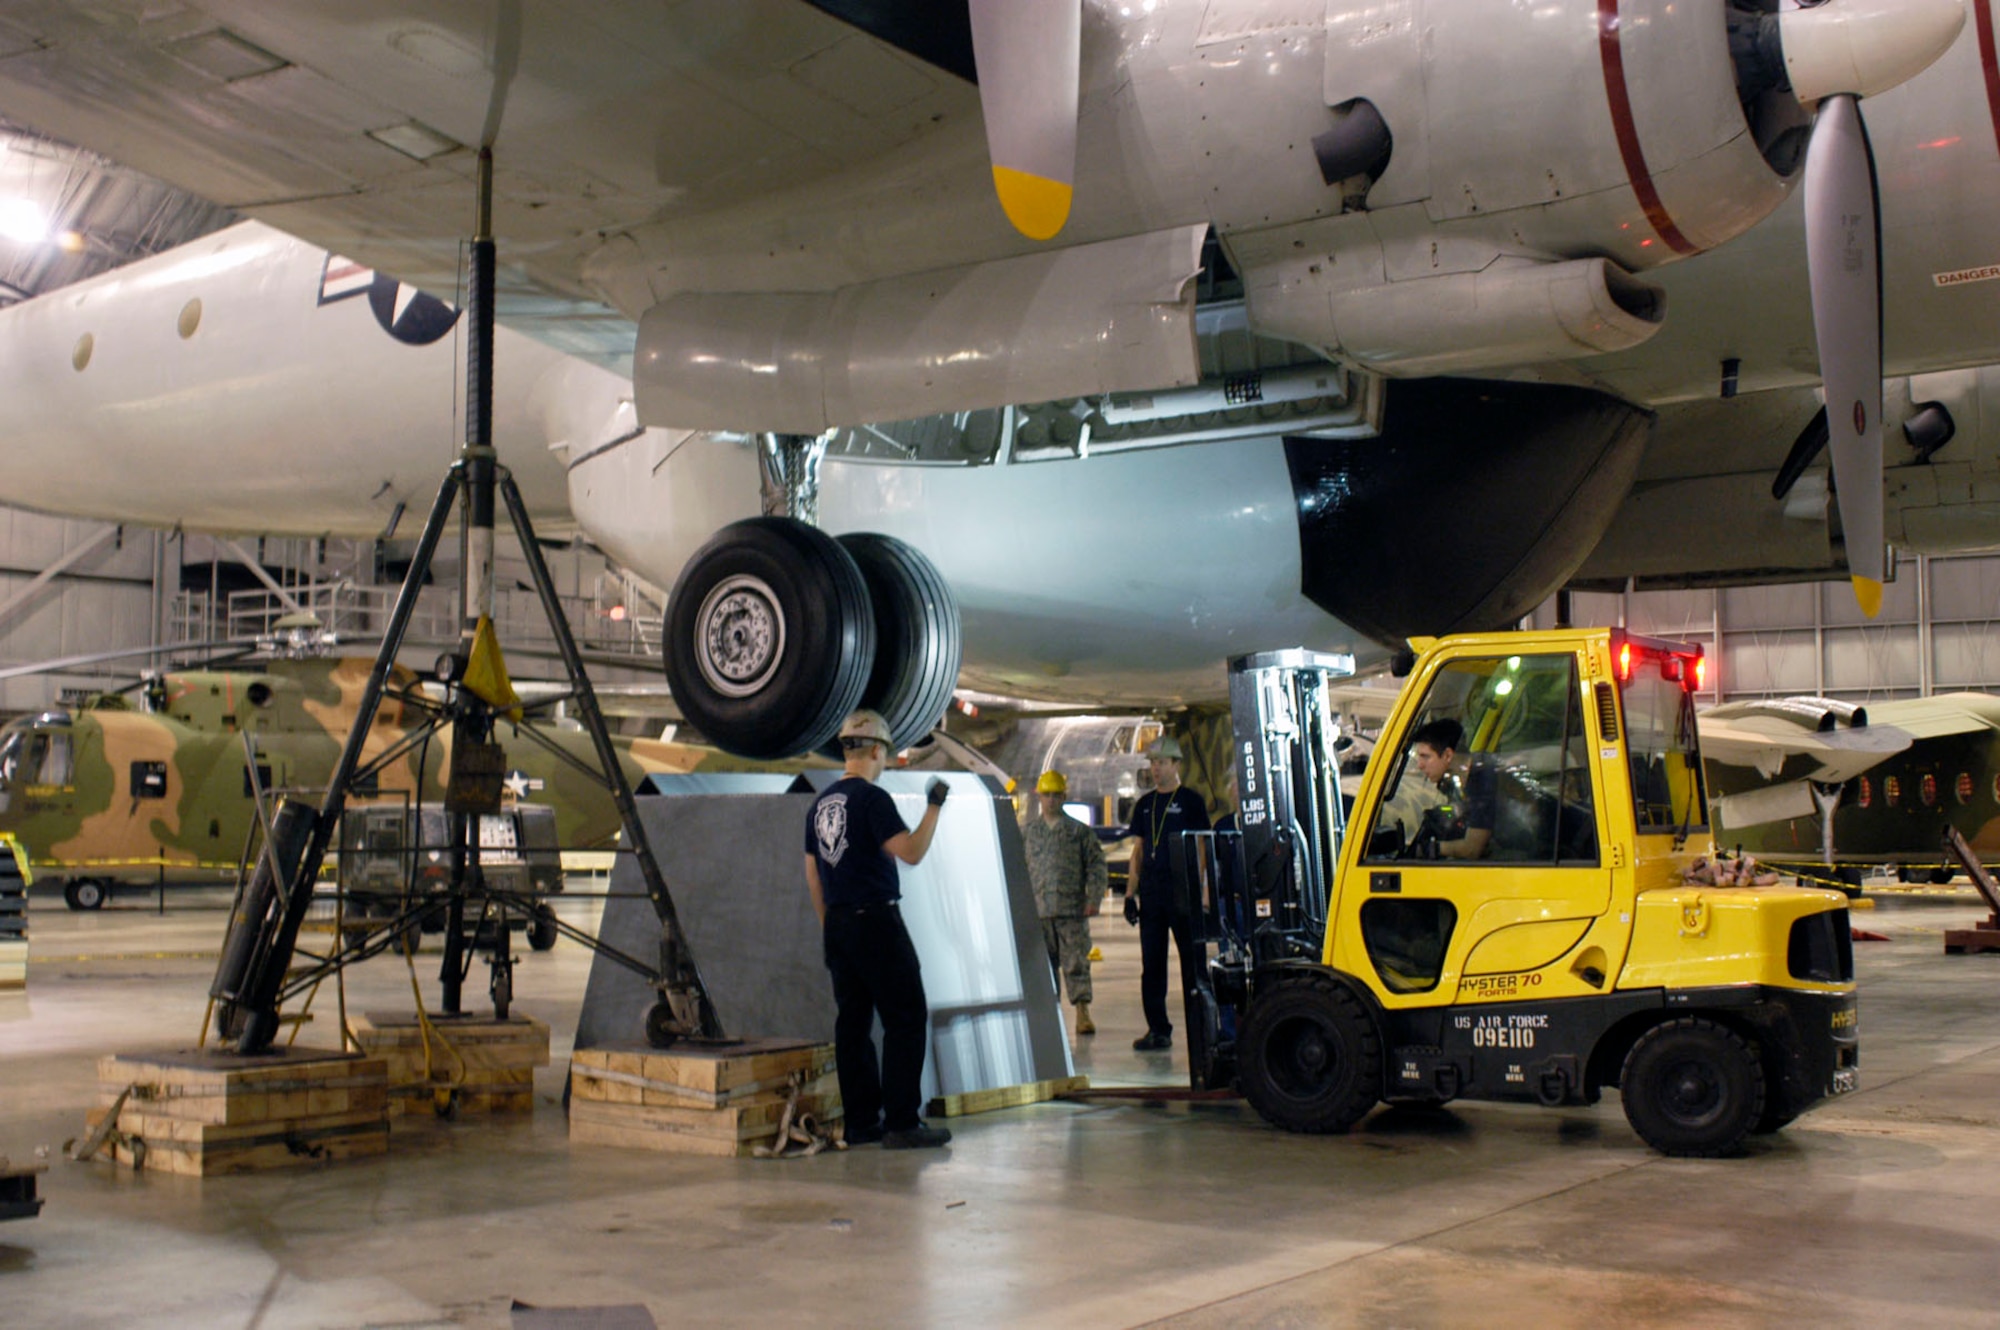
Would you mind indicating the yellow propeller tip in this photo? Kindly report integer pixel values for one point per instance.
(1868, 592)
(1037, 206)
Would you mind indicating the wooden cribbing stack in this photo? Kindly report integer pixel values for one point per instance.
(724, 1098)
(480, 1065)
(1985, 935)
(204, 1112)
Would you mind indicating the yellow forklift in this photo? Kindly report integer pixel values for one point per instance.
(1506, 910)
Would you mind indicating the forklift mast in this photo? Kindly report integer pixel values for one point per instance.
(1259, 895)
(1288, 784)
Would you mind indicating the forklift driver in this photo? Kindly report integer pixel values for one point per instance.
(1468, 832)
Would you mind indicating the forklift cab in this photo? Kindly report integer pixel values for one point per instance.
(1471, 885)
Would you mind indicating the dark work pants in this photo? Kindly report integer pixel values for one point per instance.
(875, 972)
(1156, 920)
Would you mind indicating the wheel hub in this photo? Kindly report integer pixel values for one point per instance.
(1691, 1093)
(739, 636)
(1306, 1059)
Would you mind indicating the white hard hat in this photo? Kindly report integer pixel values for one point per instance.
(865, 724)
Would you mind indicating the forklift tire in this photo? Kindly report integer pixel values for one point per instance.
(1773, 1119)
(1311, 1057)
(542, 930)
(84, 893)
(1692, 1087)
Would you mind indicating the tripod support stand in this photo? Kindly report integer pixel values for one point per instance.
(254, 975)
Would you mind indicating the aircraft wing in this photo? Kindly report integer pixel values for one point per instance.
(353, 125)
(1765, 742)
(1942, 715)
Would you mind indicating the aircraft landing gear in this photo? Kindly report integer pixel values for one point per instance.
(84, 893)
(776, 631)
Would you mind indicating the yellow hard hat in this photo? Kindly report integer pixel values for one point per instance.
(1052, 782)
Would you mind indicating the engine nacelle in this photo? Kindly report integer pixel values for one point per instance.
(1541, 154)
(1515, 312)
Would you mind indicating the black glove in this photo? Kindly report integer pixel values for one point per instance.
(1132, 909)
(937, 792)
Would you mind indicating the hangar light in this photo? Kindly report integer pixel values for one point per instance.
(23, 220)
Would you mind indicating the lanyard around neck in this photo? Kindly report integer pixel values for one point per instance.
(1161, 808)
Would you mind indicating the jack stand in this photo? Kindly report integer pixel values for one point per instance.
(251, 979)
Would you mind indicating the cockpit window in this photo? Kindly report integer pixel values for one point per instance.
(36, 757)
(48, 755)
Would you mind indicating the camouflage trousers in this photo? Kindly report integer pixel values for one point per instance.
(1068, 939)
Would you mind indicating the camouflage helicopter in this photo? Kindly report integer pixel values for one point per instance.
(163, 791)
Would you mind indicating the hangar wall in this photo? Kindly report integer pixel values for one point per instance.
(114, 589)
(1936, 632)
(101, 601)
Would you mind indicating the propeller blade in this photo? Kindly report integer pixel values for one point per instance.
(1029, 57)
(1843, 255)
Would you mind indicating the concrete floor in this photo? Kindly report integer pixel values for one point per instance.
(1875, 1210)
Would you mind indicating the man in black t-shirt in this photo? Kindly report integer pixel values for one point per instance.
(1157, 820)
(854, 836)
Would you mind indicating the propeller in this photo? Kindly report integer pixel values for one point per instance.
(1029, 57)
(1835, 53)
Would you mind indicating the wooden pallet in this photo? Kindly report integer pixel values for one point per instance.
(721, 1099)
(1006, 1096)
(205, 1112)
(1984, 936)
(494, 1066)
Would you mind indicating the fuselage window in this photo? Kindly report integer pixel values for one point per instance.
(149, 780)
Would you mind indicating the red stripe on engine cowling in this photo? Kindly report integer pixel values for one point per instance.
(1627, 130)
(1989, 61)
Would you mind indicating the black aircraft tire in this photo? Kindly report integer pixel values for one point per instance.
(769, 638)
(542, 933)
(1692, 1087)
(1311, 1058)
(1940, 876)
(84, 893)
(918, 641)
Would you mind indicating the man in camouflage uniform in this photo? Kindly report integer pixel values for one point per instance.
(1066, 865)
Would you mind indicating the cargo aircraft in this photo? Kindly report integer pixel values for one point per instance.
(1159, 330)
(1832, 788)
